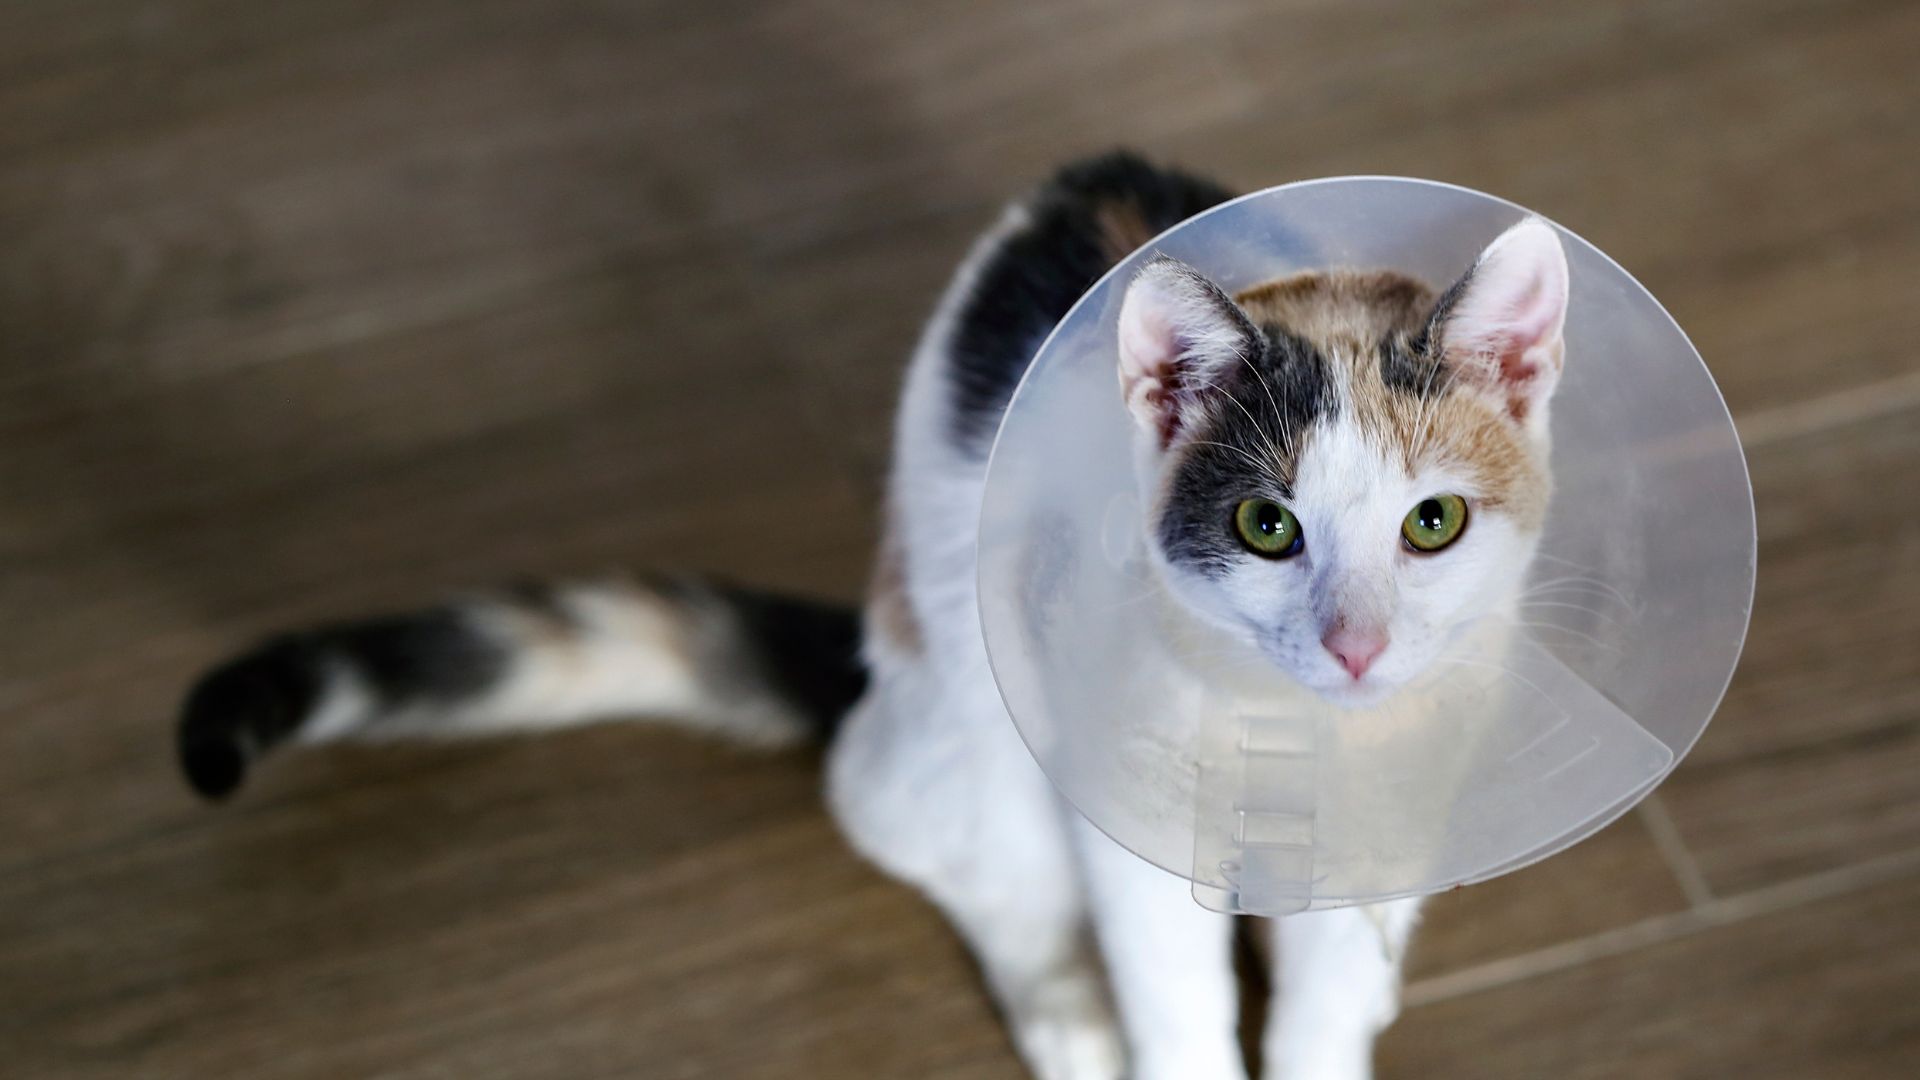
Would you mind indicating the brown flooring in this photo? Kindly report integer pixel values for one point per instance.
(311, 308)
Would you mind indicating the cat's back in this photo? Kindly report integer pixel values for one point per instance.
(1027, 274)
(1020, 279)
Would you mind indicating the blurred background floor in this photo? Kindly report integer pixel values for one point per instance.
(309, 309)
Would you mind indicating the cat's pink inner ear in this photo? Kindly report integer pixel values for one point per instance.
(1506, 329)
(1175, 327)
(1149, 358)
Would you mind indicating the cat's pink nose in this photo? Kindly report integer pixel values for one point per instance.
(1355, 649)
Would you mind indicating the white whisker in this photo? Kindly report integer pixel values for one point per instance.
(1595, 612)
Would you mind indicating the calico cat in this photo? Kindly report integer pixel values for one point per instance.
(1347, 467)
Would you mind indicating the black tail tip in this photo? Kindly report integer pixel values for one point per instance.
(214, 763)
(229, 713)
(213, 724)
(241, 709)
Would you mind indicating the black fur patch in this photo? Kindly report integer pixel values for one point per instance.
(1409, 369)
(434, 656)
(240, 710)
(809, 651)
(1431, 341)
(1295, 370)
(1025, 288)
(1417, 365)
(1269, 410)
(247, 706)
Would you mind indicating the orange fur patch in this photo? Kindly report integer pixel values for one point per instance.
(1347, 316)
(890, 611)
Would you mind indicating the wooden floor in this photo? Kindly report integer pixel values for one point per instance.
(313, 308)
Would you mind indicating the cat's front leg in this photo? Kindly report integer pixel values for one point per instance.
(1337, 985)
(937, 789)
(1170, 963)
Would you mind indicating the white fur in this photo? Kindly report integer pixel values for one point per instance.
(345, 703)
(930, 781)
(618, 651)
(928, 777)
(1337, 984)
(1170, 961)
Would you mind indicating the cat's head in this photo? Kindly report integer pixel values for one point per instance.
(1344, 469)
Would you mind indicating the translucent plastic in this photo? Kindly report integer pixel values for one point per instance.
(1269, 799)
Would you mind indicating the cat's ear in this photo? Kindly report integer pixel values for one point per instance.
(1500, 326)
(1179, 334)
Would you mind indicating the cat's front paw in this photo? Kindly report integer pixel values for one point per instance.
(1326, 1058)
(1072, 1048)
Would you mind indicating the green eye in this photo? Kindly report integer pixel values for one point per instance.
(1435, 523)
(1267, 528)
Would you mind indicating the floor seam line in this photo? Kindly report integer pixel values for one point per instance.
(1659, 929)
(1777, 423)
(1674, 852)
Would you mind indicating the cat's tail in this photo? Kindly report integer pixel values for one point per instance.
(758, 668)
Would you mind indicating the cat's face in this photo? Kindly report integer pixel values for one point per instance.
(1343, 470)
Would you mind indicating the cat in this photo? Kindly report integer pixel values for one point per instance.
(1345, 468)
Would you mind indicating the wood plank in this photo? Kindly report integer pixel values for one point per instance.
(309, 205)
(563, 907)
(1787, 291)
(1814, 759)
(1613, 878)
(1822, 990)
